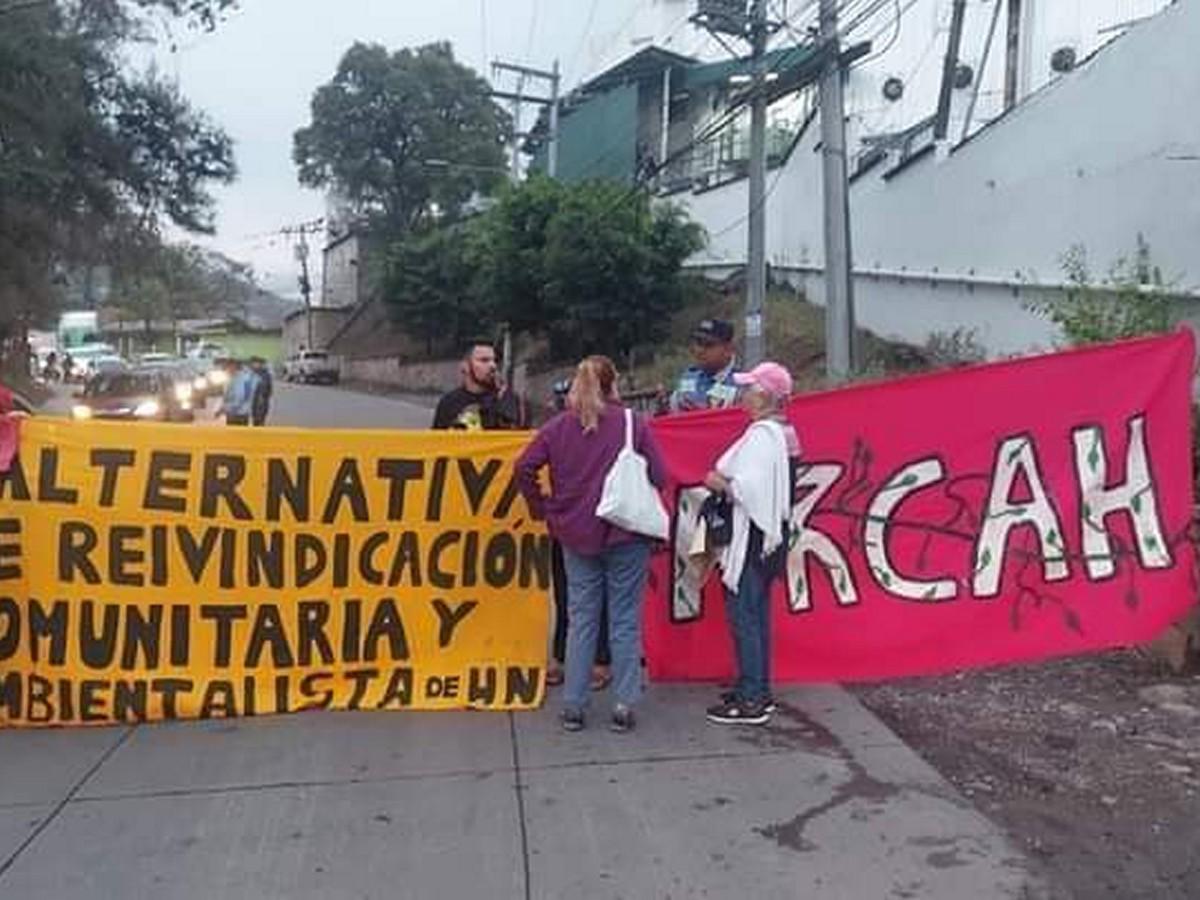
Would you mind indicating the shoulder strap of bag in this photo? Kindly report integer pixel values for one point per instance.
(628, 428)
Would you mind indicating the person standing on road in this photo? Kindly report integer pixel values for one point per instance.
(238, 403)
(601, 669)
(709, 383)
(604, 563)
(481, 402)
(260, 406)
(756, 475)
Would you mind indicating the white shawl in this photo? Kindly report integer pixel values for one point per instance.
(756, 467)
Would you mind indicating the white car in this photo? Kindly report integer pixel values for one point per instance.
(309, 366)
(104, 365)
(206, 350)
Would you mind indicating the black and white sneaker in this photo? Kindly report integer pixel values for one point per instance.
(622, 719)
(572, 719)
(738, 712)
(769, 704)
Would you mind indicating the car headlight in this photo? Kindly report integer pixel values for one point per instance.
(81, 412)
(200, 384)
(183, 391)
(146, 409)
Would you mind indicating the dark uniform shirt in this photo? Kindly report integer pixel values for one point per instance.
(493, 411)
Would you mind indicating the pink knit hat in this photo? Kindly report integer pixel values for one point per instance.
(770, 377)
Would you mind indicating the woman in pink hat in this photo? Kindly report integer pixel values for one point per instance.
(756, 475)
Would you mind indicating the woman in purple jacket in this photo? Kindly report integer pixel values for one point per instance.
(605, 564)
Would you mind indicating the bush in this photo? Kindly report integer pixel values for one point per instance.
(1131, 302)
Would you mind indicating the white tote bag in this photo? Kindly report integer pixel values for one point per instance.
(629, 500)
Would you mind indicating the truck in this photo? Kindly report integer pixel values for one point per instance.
(309, 366)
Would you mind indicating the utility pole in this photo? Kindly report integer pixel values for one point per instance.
(301, 233)
(515, 159)
(756, 250)
(552, 149)
(949, 67)
(305, 286)
(1012, 55)
(733, 18)
(518, 98)
(840, 350)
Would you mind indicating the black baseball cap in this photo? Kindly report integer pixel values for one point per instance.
(712, 331)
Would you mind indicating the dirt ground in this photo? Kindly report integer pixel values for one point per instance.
(1091, 764)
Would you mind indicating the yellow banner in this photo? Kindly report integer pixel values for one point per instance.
(161, 571)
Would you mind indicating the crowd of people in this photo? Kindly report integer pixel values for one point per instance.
(600, 566)
(248, 390)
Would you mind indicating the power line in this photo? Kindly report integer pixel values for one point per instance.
(579, 61)
(901, 11)
(587, 27)
(809, 119)
(872, 10)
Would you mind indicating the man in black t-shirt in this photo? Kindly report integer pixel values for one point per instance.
(481, 403)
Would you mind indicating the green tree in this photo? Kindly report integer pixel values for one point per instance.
(592, 267)
(90, 151)
(376, 126)
(431, 284)
(1131, 301)
(158, 283)
(511, 250)
(612, 269)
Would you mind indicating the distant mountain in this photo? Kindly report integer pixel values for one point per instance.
(265, 311)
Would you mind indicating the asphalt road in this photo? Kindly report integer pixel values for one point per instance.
(318, 406)
(308, 406)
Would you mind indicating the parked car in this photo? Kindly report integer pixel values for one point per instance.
(206, 350)
(309, 366)
(147, 394)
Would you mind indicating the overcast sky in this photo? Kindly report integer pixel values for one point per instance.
(256, 74)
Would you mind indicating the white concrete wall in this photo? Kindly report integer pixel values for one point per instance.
(390, 371)
(1095, 158)
(325, 324)
(341, 278)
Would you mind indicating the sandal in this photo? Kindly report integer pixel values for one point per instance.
(554, 676)
(601, 679)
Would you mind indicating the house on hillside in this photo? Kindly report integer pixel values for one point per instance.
(646, 114)
(970, 179)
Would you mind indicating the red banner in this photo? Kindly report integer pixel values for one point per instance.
(1012, 511)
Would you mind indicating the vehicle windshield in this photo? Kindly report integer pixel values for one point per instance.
(122, 385)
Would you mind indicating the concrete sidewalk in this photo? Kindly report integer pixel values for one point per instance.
(824, 803)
